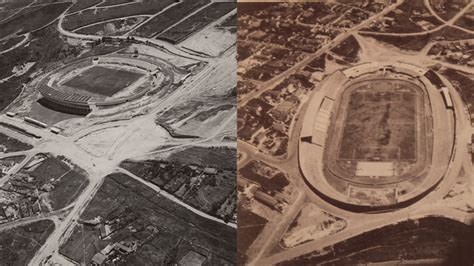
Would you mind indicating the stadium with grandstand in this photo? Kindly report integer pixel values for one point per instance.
(101, 82)
(367, 138)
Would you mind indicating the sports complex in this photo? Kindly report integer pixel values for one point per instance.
(367, 137)
(101, 82)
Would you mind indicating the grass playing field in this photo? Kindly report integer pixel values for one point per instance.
(103, 81)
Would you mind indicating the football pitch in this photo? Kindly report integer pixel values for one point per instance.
(103, 81)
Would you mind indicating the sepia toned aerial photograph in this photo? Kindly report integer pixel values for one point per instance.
(118, 132)
(355, 130)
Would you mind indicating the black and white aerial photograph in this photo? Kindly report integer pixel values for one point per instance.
(118, 132)
(355, 132)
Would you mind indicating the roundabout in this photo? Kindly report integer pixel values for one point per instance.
(367, 140)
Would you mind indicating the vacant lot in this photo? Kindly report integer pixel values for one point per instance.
(176, 226)
(103, 81)
(380, 123)
(196, 22)
(427, 238)
(348, 49)
(250, 226)
(67, 189)
(51, 168)
(19, 244)
(9, 144)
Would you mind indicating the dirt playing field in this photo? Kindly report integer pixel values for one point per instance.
(103, 81)
(380, 125)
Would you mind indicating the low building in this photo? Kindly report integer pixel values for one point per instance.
(99, 259)
(210, 171)
(267, 200)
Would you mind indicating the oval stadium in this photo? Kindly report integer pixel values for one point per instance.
(99, 82)
(367, 137)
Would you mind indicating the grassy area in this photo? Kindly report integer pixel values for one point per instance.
(103, 81)
(464, 84)
(86, 17)
(15, 4)
(115, 2)
(67, 189)
(176, 226)
(348, 49)
(250, 226)
(169, 17)
(426, 238)
(467, 21)
(196, 22)
(112, 28)
(19, 244)
(418, 42)
(10, 42)
(48, 169)
(31, 21)
(9, 144)
(83, 4)
(219, 157)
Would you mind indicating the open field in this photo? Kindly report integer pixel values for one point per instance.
(447, 9)
(9, 144)
(348, 49)
(219, 157)
(380, 125)
(86, 17)
(169, 17)
(112, 28)
(61, 182)
(67, 189)
(418, 42)
(10, 42)
(196, 22)
(103, 81)
(80, 5)
(159, 225)
(19, 244)
(250, 226)
(210, 41)
(36, 19)
(426, 238)
(416, 18)
(114, 2)
(467, 21)
(15, 4)
(311, 224)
